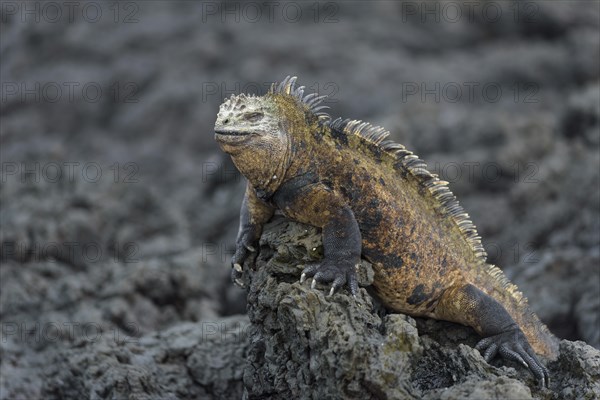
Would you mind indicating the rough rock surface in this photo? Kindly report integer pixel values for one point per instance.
(188, 361)
(308, 345)
(300, 343)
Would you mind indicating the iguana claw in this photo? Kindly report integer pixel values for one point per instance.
(302, 278)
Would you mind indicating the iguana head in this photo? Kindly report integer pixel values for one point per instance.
(247, 122)
(259, 131)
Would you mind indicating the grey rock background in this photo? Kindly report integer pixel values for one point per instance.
(101, 276)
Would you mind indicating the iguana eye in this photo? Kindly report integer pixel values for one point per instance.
(253, 116)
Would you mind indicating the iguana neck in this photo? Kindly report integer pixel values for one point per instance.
(267, 179)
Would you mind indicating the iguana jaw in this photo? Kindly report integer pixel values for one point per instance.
(232, 137)
(221, 131)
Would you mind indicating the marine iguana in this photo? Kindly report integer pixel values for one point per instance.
(373, 197)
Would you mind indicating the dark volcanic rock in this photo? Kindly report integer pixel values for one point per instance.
(191, 361)
(303, 344)
(308, 345)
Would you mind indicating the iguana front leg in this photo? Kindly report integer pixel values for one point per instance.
(318, 205)
(254, 213)
(468, 305)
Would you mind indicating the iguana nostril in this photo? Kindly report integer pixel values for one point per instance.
(226, 121)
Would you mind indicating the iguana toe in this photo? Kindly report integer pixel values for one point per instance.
(236, 275)
(337, 273)
(513, 345)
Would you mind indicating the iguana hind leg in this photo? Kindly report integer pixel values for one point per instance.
(468, 305)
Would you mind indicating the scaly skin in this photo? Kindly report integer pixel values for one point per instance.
(373, 197)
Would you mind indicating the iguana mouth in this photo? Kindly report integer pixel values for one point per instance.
(227, 132)
(231, 137)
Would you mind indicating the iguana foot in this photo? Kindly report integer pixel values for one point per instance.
(514, 346)
(339, 273)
